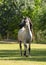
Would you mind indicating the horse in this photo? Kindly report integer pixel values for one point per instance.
(25, 35)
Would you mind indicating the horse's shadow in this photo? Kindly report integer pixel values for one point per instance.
(36, 55)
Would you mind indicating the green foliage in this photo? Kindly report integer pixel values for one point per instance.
(12, 11)
(41, 36)
(8, 17)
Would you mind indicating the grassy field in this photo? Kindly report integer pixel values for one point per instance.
(10, 55)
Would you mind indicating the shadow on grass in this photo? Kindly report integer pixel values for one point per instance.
(36, 55)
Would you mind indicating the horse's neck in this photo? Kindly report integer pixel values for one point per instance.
(27, 31)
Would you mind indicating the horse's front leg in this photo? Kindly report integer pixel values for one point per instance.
(21, 48)
(25, 49)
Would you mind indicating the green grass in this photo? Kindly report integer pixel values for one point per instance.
(10, 55)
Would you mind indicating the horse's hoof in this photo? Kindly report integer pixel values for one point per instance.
(26, 55)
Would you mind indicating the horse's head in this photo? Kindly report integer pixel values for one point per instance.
(22, 24)
(26, 22)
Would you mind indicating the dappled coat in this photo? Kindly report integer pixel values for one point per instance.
(24, 35)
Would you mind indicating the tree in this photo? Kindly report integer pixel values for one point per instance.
(12, 12)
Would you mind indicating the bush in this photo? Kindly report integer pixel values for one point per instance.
(15, 35)
(41, 36)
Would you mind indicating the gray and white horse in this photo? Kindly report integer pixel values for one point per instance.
(25, 35)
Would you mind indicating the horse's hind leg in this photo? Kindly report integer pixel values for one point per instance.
(21, 48)
(29, 49)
